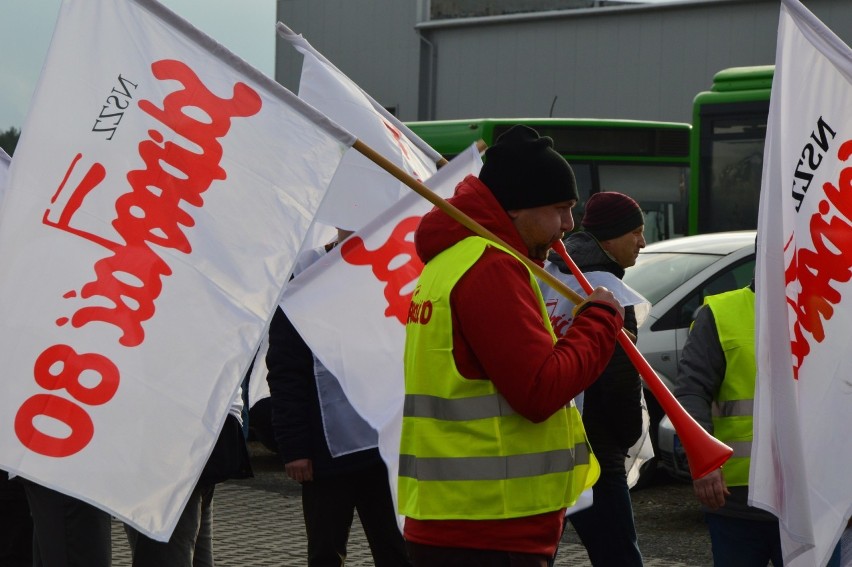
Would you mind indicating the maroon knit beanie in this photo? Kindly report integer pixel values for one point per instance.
(610, 214)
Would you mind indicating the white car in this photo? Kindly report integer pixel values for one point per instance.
(675, 275)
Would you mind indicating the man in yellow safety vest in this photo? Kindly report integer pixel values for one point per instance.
(492, 450)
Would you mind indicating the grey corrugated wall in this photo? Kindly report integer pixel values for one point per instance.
(645, 62)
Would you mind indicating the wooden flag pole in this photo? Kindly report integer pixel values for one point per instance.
(463, 218)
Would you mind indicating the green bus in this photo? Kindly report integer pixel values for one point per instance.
(728, 135)
(647, 160)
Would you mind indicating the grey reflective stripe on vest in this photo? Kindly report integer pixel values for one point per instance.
(493, 468)
(459, 409)
(741, 448)
(735, 408)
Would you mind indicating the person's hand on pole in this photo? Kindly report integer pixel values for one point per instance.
(602, 295)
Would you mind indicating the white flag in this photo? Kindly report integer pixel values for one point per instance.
(802, 450)
(361, 189)
(158, 197)
(351, 307)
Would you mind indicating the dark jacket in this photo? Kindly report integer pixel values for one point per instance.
(612, 410)
(296, 417)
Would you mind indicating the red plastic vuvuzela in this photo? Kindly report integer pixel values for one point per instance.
(704, 452)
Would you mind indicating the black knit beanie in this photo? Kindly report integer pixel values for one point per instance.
(523, 171)
(610, 214)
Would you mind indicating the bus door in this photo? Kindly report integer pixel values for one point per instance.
(731, 145)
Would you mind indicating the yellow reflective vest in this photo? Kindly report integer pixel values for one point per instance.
(464, 452)
(733, 409)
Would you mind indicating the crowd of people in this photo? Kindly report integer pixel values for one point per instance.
(495, 448)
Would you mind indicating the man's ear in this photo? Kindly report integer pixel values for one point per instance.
(513, 213)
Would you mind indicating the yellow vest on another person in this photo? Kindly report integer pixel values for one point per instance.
(733, 409)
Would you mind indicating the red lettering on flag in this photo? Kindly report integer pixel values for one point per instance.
(813, 300)
(149, 217)
(560, 323)
(395, 263)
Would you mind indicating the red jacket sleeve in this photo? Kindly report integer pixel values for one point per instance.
(498, 335)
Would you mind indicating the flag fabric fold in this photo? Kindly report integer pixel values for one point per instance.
(351, 307)
(159, 194)
(361, 189)
(802, 449)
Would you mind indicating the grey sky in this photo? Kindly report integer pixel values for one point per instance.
(246, 27)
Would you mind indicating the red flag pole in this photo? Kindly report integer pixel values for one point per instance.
(704, 452)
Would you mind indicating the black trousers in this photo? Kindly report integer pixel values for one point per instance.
(67, 532)
(16, 527)
(329, 505)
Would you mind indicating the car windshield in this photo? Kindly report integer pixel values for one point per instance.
(657, 274)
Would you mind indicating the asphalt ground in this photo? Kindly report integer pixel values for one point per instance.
(258, 522)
